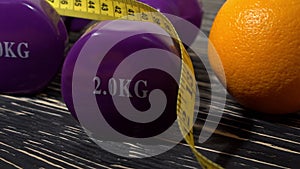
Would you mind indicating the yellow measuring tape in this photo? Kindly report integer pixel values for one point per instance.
(128, 9)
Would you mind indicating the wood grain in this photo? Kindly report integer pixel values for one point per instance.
(39, 132)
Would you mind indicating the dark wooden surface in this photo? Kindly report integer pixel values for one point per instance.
(39, 132)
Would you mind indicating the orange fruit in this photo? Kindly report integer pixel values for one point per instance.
(258, 44)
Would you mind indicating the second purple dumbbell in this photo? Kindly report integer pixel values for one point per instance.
(32, 44)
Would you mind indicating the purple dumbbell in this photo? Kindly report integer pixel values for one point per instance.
(97, 69)
(76, 24)
(32, 43)
(189, 10)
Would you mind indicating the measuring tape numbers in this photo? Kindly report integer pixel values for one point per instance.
(137, 11)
